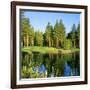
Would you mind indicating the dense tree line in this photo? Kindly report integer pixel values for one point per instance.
(54, 36)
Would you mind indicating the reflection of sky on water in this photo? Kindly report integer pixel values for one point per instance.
(67, 70)
(41, 69)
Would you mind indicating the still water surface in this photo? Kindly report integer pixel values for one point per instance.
(37, 65)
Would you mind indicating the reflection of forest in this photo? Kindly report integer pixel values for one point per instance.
(39, 65)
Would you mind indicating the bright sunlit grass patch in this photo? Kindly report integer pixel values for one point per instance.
(47, 50)
(40, 49)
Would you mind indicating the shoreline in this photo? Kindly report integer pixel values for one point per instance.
(45, 50)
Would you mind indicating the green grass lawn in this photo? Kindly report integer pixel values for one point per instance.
(63, 51)
(47, 50)
(40, 49)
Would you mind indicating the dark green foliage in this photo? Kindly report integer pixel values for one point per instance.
(74, 36)
(78, 37)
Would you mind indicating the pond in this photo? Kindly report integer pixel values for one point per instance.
(37, 65)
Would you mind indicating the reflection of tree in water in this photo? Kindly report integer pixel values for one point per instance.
(75, 64)
(37, 65)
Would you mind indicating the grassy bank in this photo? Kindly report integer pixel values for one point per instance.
(40, 49)
(63, 51)
(47, 50)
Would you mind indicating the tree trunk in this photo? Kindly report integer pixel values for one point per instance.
(74, 43)
(27, 41)
(57, 42)
(24, 41)
(49, 42)
(79, 44)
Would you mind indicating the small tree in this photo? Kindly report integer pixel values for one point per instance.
(48, 35)
(68, 44)
(73, 36)
(39, 38)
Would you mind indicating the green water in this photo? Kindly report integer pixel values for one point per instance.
(37, 65)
